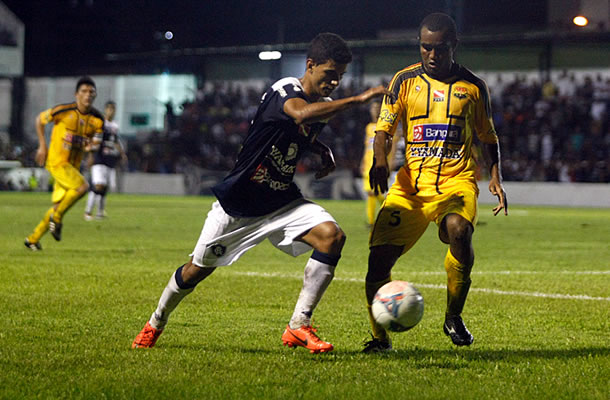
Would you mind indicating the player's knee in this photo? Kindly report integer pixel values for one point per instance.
(191, 274)
(99, 189)
(459, 230)
(331, 236)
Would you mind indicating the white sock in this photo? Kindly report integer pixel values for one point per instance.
(90, 200)
(97, 202)
(101, 204)
(170, 298)
(317, 277)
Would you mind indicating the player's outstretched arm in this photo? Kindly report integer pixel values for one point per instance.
(492, 153)
(303, 112)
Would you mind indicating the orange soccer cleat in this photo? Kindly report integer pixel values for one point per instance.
(147, 337)
(305, 337)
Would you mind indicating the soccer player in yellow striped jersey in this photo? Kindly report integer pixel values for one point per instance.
(78, 127)
(442, 106)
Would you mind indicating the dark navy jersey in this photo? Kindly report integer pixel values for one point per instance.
(108, 153)
(262, 179)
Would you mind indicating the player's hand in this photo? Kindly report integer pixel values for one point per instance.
(497, 189)
(41, 156)
(375, 92)
(378, 177)
(328, 161)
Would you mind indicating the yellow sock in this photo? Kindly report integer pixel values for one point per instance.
(458, 284)
(64, 205)
(42, 227)
(371, 288)
(371, 205)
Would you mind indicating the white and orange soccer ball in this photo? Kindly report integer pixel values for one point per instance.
(398, 306)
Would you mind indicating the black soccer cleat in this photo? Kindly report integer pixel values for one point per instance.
(454, 328)
(55, 229)
(377, 346)
(32, 246)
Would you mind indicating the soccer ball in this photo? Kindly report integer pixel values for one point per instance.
(398, 306)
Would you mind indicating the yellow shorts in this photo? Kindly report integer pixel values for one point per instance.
(403, 218)
(66, 177)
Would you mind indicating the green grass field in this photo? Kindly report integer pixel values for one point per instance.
(538, 308)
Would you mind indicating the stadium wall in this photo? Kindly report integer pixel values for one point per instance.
(141, 99)
(341, 185)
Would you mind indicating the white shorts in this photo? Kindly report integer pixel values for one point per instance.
(225, 238)
(103, 175)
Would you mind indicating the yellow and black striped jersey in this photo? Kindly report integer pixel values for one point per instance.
(71, 132)
(439, 121)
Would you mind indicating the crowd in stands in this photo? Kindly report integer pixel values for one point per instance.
(558, 130)
(554, 131)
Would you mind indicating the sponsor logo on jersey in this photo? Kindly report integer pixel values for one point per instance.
(460, 92)
(279, 161)
(436, 152)
(417, 88)
(293, 149)
(262, 176)
(387, 116)
(439, 95)
(441, 132)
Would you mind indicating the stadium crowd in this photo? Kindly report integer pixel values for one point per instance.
(557, 131)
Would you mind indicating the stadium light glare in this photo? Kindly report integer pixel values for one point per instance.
(580, 20)
(168, 35)
(269, 55)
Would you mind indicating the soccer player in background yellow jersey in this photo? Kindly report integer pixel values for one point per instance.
(442, 106)
(372, 198)
(77, 128)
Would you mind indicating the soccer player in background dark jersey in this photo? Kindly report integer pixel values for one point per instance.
(75, 125)
(442, 106)
(258, 199)
(103, 163)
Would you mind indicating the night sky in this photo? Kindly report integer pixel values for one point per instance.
(71, 36)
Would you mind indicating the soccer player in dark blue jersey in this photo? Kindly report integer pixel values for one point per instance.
(103, 162)
(258, 200)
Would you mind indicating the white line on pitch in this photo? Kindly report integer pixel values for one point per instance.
(508, 272)
(432, 286)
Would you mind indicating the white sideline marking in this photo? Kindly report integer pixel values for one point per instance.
(515, 272)
(432, 286)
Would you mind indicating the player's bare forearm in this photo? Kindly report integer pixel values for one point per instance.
(492, 154)
(382, 146)
(379, 173)
(303, 112)
(41, 152)
(40, 133)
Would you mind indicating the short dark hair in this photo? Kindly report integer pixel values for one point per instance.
(329, 46)
(84, 80)
(439, 22)
(110, 103)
